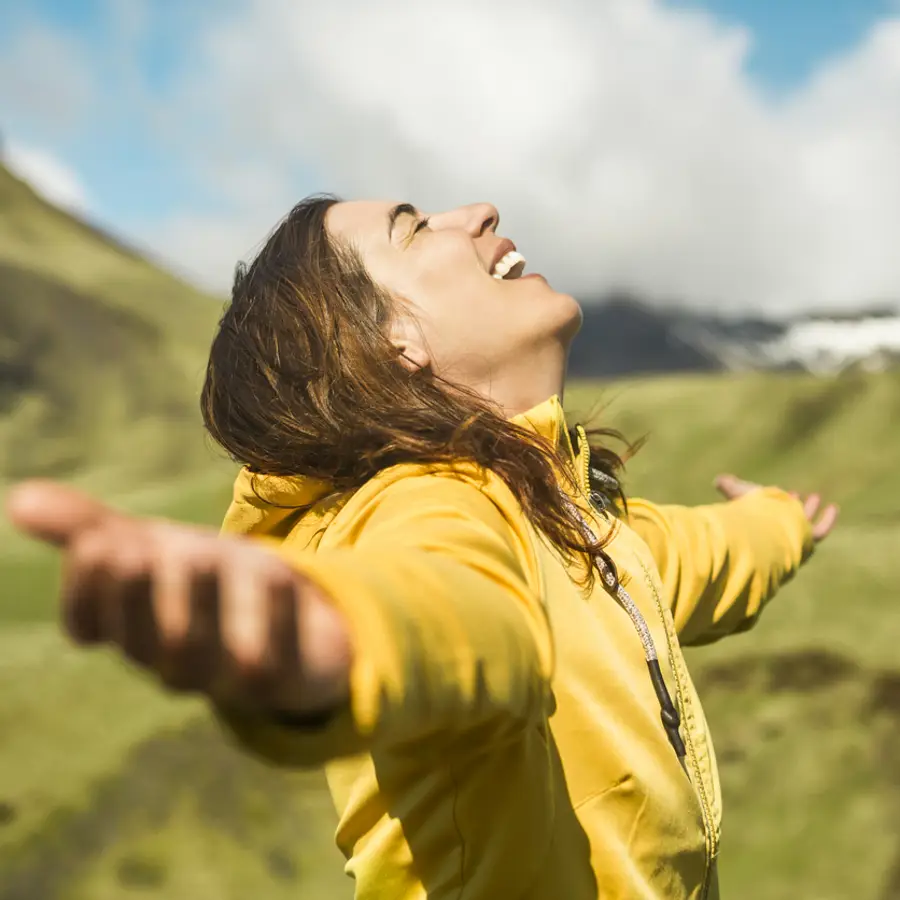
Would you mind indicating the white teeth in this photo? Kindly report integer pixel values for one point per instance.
(509, 266)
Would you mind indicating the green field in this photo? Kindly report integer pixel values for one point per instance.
(108, 788)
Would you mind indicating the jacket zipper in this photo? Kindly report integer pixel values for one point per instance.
(705, 811)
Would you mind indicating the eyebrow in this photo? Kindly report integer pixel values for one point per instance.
(401, 209)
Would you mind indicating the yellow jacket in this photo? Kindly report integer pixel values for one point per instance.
(503, 738)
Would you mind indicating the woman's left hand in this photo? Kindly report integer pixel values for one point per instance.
(823, 519)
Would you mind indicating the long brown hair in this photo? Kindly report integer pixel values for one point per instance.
(304, 380)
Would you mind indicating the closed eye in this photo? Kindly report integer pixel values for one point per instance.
(423, 223)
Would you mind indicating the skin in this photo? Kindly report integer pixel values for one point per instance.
(509, 340)
(229, 619)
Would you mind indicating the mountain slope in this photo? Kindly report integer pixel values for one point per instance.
(838, 435)
(37, 236)
(621, 335)
(101, 352)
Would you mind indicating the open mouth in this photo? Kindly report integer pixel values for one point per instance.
(511, 265)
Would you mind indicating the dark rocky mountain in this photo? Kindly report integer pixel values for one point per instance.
(622, 335)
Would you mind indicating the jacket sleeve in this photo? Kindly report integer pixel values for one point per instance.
(720, 564)
(441, 596)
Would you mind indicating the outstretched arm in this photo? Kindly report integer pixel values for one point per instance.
(429, 622)
(720, 564)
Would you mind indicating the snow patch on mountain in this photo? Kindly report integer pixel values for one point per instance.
(825, 346)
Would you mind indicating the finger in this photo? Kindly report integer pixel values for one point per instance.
(199, 657)
(186, 610)
(726, 485)
(284, 643)
(84, 585)
(128, 611)
(53, 512)
(171, 606)
(732, 487)
(826, 522)
(245, 624)
(811, 506)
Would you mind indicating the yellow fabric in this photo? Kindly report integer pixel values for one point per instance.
(708, 558)
(503, 737)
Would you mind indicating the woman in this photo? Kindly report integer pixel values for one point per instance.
(428, 582)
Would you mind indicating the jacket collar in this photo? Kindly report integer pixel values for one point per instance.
(548, 419)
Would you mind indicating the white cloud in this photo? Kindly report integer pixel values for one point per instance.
(623, 141)
(49, 176)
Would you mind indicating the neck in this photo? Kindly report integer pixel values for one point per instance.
(526, 381)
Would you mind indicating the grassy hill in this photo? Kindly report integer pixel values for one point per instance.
(101, 352)
(110, 789)
(839, 435)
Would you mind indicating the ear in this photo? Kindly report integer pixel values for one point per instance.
(407, 337)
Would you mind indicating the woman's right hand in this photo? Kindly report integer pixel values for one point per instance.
(223, 616)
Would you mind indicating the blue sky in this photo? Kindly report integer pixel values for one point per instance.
(124, 166)
(175, 132)
(793, 37)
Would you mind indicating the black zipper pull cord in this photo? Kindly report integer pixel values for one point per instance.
(668, 712)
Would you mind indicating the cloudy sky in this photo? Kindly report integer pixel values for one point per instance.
(733, 154)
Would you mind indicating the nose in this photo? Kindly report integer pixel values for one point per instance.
(476, 218)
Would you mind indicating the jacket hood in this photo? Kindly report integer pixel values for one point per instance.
(262, 504)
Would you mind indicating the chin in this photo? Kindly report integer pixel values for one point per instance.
(568, 316)
(550, 314)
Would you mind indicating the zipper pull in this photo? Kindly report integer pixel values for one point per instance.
(604, 479)
(668, 712)
(599, 501)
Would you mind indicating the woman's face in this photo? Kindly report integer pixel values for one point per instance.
(453, 314)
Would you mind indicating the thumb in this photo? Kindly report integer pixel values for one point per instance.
(53, 512)
(731, 487)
